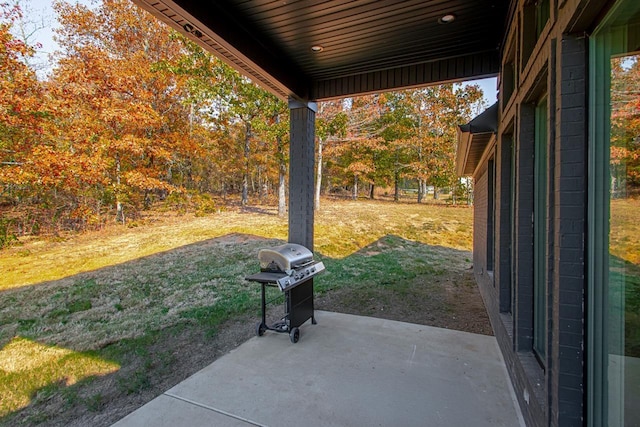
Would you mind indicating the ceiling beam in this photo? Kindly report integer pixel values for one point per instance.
(475, 66)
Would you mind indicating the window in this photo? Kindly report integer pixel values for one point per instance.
(505, 202)
(540, 233)
(512, 226)
(508, 76)
(543, 11)
(535, 16)
(509, 82)
(491, 206)
(614, 245)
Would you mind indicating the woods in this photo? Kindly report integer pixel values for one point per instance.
(132, 116)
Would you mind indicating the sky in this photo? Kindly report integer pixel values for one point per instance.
(42, 19)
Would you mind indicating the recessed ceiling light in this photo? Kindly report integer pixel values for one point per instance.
(317, 48)
(447, 19)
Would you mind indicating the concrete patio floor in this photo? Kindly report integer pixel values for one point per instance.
(345, 371)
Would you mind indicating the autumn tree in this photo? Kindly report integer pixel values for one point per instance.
(331, 125)
(399, 128)
(240, 102)
(119, 118)
(357, 152)
(436, 112)
(274, 131)
(625, 125)
(23, 151)
(214, 135)
(407, 134)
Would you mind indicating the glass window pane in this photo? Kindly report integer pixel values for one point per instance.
(624, 242)
(540, 234)
(615, 161)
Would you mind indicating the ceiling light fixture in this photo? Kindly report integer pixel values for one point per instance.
(447, 19)
(317, 48)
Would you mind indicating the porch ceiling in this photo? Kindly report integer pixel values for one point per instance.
(367, 45)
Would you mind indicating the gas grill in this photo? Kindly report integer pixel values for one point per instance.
(290, 268)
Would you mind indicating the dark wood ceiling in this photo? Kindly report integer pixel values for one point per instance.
(367, 45)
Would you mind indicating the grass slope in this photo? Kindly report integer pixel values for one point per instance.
(104, 305)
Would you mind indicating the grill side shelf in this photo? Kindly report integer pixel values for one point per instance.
(266, 277)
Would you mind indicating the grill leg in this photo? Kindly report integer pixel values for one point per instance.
(264, 303)
(313, 308)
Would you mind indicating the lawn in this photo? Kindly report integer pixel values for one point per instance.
(89, 319)
(624, 246)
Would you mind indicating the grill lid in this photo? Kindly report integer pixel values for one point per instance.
(284, 257)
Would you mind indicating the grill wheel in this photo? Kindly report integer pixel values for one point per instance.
(294, 335)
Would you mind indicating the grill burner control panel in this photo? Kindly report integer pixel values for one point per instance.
(299, 275)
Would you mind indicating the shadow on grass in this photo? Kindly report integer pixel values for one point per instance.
(152, 322)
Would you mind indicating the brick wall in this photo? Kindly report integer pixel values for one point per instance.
(569, 217)
(480, 190)
(557, 66)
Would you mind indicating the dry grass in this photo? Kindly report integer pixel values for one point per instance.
(41, 261)
(342, 227)
(625, 230)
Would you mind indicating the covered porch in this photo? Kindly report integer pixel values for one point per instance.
(346, 370)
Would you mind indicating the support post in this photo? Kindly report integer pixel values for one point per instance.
(301, 172)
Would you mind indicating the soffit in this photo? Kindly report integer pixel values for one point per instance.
(368, 45)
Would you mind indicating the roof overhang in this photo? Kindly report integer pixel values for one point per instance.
(362, 46)
(473, 139)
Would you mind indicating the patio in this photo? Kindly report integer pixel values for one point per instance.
(346, 371)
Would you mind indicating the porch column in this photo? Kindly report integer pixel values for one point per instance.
(301, 172)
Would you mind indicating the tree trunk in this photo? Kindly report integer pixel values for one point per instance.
(396, 184)
(263, 184)
(147, 199)
(318, 175)
(282, 173)
(355, 187)
(119, 206)
(421, 184)
(245, 177)
(371, 192)
(282, 201)
(435, 193)
(120, 213)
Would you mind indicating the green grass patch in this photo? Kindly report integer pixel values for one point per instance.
(32, 371)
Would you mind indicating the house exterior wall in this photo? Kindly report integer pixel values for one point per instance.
(549, 62)
(480, 218)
